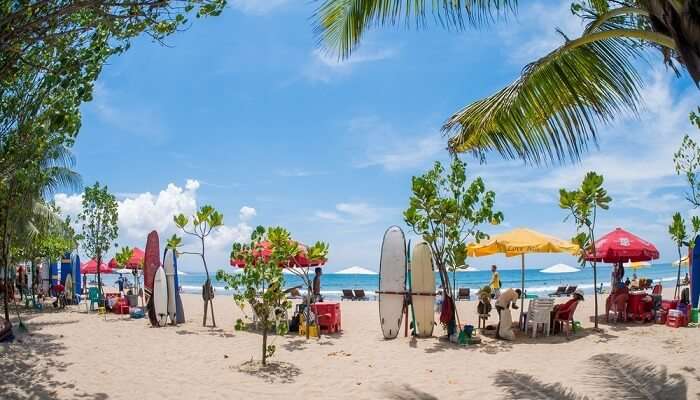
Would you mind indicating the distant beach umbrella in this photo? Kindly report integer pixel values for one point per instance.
(560, 269)
(90, 267)
(135, 262)
(122, 271)
(356, 270)
(638, 264)
(470, 269)
(683, 262)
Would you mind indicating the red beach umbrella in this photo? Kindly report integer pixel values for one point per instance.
(621, 246)
(264, 250)
(90, 267)
(135, 262)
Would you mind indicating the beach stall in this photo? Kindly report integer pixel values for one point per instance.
(90, 267)
(519, 242)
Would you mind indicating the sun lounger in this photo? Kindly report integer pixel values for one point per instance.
(463, 294)
(360, 294)
(570, 290)
(561, 290)
(347, 295)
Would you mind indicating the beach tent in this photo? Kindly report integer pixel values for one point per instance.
(559, 269)
(135, 262)
(90, 267)
(264, 251)
(519, 242)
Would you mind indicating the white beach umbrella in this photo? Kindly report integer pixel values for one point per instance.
(470, 269)
(560, 269)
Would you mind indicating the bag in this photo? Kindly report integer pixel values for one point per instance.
(447, 312)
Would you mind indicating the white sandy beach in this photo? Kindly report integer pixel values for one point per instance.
(72, 355)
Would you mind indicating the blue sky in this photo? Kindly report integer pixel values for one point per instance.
(244, 113)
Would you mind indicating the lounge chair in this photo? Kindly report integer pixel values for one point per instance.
(561, 290)
(294, 294)
(570, 290)
(463, 294)
(347, 295)
(360, 294)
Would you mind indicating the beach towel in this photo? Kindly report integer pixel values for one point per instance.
(506, 325)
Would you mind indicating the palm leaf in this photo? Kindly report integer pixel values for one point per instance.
(551, 112)
(340, 24)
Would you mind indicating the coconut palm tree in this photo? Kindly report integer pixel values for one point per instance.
(550, 113)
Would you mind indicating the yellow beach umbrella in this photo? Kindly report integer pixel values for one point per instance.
(519, 242)
(683, 262)
(635, 265)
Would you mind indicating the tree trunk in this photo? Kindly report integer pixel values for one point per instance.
(99, 276)
(5, 264)
(683, 25)
(264, 343)
(595, 294)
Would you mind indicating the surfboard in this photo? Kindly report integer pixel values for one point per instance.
(169, 267)
(66, 268)
(423, 289)
(392, 281)
(68, 287)
(45, 277)
(179, 309)
(160, 297)
(77, 277)
(151, 262)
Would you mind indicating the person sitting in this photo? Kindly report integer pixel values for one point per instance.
(566, 311)
(617, 301)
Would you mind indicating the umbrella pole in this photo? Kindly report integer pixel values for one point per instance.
(522, 284)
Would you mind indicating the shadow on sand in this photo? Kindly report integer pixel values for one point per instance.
(614, 376)
(406, 392)
(273, 372)
(29, 364)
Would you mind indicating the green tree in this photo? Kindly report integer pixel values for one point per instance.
(203, 224)
(123, 256)
(551, 112)
(680, 237)
(99, 217)
(261, 283)
(583, 205)
(687, 160)
(446, 212)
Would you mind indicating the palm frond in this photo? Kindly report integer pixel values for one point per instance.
(340, 24)
(551, 112)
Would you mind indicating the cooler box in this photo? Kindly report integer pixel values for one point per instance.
(675, 319)
(329, 317)
(669, 304)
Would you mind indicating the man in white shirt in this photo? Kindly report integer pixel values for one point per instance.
(504, 301)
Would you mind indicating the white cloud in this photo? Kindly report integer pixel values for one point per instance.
(258, 7)
(351, 213)
(394, 150)
(533, 32)
(141, 213)
(323, 67)
(247, 213)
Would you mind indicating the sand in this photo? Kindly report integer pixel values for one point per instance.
(72, 355)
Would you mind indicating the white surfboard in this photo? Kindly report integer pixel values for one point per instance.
(169, 267)
(392, 281)
(45, 276)
(423, 289)
(68, 288)
(160, 297)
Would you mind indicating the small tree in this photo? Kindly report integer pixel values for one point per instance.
(583, 204)
(687, 162)
(447, 212)
(680, 237)
(203, 224)
(261, 282)
(99, 219)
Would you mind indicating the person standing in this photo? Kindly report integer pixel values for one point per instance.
(506, 300)
(495, 282)
(317, 285)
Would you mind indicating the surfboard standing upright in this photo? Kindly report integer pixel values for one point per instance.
(151, 262)
(179, 309)
(423, 289)
(392, 281)
(169, 267)
(160, 297)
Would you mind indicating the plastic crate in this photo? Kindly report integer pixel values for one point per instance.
(694, 315)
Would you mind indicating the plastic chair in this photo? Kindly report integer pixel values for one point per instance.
(566, 319)
(539, 313)
(93, 297)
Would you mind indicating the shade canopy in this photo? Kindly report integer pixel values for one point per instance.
(356, 270)
(637, 264)
(560, 269)
(683, 262)
(264, 251)
(621, 246)
(135, 262)
(521, 241)
(90, 267)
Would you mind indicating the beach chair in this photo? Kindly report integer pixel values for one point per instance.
(294, 293)
(561, 290)
(360, 294)
(539, 313)
(347, 295)
(566, 318)
(463, 294)
(570, 290)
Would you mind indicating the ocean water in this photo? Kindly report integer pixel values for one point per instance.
(536, 282)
